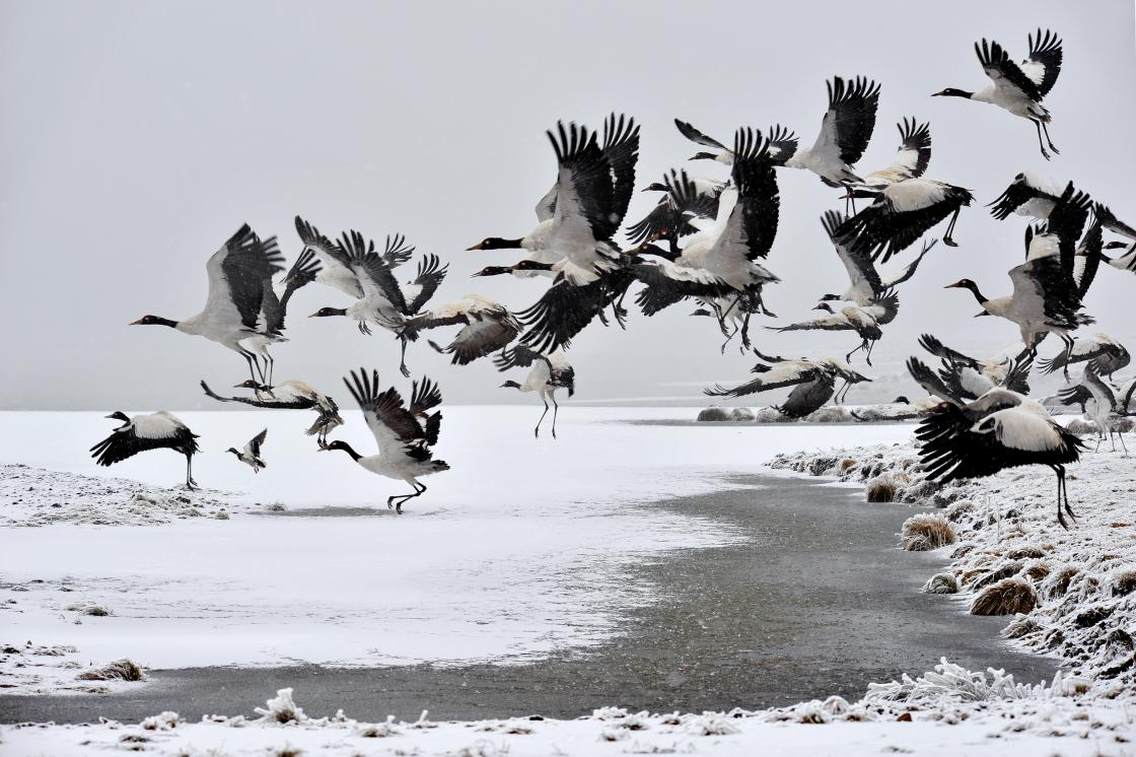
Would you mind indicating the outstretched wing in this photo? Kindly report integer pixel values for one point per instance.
(788, 373)
(694, 135)
(585, 200)
(621, 149)
(850, 119)
(373, 271)
(254, 444)
(1004, 72)
(1044, 62)
(391, 423)
(397, 250)
(429, 278)
(237, 273)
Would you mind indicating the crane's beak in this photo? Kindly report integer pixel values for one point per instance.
(475, 247)
(979, 315)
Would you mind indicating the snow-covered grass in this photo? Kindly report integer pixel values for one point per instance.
(1073, 587)
(944, 712)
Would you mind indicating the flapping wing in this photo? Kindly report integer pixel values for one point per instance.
(374, 273)
(546, 207)
(621, 150)
(857, 262)
(752, 225)
(789, 373)
(391, 423)
(1044, 62)
(1004, 72)
(914, 149)
(938, 349)
(585, 200)
(562, 312)
(397, 251)
(237, 273)
(694, 135)
(254, 444)
(431, 272)
(667, 284)
(850, 119)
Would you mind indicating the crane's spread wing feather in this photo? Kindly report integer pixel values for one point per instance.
(694, 135)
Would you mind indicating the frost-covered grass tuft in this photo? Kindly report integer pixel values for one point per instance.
(164, 721)
(950, 681)
(926, 531)
(714, 414)
(941, 583)
(281, 709)
(377, 730)
(119, 670)
(1010, 596)
(1124, 583)
(881, 489)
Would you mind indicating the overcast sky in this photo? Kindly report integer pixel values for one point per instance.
(137, 136)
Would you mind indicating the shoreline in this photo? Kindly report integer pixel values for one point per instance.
(695, 649)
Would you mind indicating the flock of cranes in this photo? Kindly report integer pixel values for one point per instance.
(707, 241)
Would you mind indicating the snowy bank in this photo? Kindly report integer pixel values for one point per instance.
(947, 711)
(1074, 592)
(37, 497)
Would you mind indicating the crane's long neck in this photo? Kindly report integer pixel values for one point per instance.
(350, 451)
(982, 300)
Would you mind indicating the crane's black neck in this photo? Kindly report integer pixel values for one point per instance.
(348, 449)
(952, 92)
(982, 300)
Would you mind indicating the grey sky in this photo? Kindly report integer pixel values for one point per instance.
(137, 136)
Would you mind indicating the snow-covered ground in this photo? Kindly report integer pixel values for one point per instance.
(949, 711)
(520, 550)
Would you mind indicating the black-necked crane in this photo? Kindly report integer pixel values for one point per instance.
(384, 302)
(813, 382)
(289, 395)
(899, 409)
(721, 260)
(845, 130)
(250, 453)
(1019, 88)
(901, 213)
(999, 430)
(547, 374)
(1029, 195)
(487, 326)
(1046, 297)
(1106, 355)
(238, 274)
(578, 217)
(866, 286)
(405, 435)
(970, 377)
(160, 430)
(865, 321)
(1105, 412)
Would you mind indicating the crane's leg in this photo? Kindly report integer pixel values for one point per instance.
(189, 482)
(1060, 471)
(1065, 492)
(536, 431)
(868, 357)
(402, 360)
(947, 239)
(1045, 128)
(248, 356)
(271, 367)
(1123, 446)
(745, 333)
(848, 357)
(404, 497)
(1037, 125)
(555, 410)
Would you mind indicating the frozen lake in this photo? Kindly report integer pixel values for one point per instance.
(523, 548)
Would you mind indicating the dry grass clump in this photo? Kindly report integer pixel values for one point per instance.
(1037, 571)
(847, 464)
(1009, 596)
(958, 509)
(926, 531)
(942, 583)
(881, 489)
(97, 611)
(1020, 626)
(119, 670)
(1124, 583)
(714, 414)
(1057, 584)
(1023, 553)
(1005, 570)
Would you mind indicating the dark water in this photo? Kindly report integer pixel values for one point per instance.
(816, 601)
